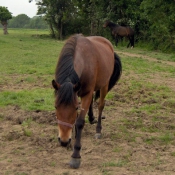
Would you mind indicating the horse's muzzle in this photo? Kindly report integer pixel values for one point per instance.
(64, 144)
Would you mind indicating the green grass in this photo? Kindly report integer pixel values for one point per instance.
(27, 122)
(28, 59)
(27, 132)
(35, 99)
(145, 51)
(120, 163)
(25, 54)
(173, 154)
(164, 138)
(142, 66)
(110, 95)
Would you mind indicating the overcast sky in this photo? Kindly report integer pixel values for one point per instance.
(17, 7)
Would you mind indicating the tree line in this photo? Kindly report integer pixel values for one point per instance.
(152, 21)
(23, 21)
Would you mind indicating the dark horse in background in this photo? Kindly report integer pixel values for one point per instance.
(86, 65)
(120, 31)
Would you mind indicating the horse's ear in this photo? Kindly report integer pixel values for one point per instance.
(77, 87)
(55, 85)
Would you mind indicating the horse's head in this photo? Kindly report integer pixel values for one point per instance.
(66, 104)
(106, 23)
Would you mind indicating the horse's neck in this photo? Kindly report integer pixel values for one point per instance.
(112, 25)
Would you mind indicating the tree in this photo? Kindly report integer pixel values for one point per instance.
(160, 19)
(19, 21)
(56, 12)
(153, 21)
(5, 15)
(37, 23)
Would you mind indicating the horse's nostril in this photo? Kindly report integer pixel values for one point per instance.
(65, 144)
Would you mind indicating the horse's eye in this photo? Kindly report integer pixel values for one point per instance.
(76, 108)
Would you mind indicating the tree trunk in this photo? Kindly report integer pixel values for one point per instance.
(52, 30)
(61, 31)
(4, 23)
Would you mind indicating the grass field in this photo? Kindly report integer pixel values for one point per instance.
(31, 59)
(139, 134)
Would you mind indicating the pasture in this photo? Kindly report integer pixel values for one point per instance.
(138, 134)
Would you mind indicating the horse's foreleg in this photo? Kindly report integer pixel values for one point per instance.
(101, 105)
(91, 114)
(121, 40)
(129, 42)
(80, 122)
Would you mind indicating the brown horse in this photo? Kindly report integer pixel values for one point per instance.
(120, 31)
(86, 64)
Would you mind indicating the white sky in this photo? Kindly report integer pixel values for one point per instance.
(17, 7)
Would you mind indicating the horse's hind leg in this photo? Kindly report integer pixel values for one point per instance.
(129, 42)
(116, 41)
(91, 114)
(132, 41)
(101, 105)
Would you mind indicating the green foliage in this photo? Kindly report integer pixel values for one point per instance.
(4, 14)
(23, 21)
(56, 13)
(160, 33)
(19, 21)
(68, 17)
(37, 23)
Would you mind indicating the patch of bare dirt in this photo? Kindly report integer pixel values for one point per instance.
(120, 151)
(20, 82)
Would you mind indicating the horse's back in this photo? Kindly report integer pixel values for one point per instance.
(124, 31)
(101, 42)
(130, 31)
(94, 60)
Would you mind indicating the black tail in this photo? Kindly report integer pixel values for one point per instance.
(115, 76)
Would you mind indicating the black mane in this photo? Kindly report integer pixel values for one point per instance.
(111, 24)
(65, 74)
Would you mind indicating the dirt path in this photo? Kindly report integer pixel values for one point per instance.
(156, 78)
(146, 57)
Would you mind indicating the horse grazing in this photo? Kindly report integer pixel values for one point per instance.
(86, 65)
(120, 31)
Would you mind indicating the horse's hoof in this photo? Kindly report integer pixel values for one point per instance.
(98, 135)
(93, 121)
(75, 162)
